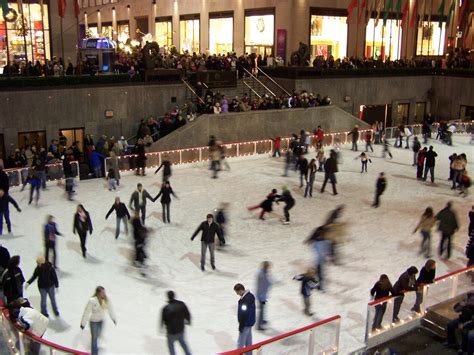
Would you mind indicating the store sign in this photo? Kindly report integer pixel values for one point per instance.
(281, 44)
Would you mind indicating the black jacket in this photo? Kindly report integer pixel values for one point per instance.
(174, 316)
(46, 276)
(12, 283)
(287, 198)
(82, 227)
(426, 276)
(381, 185)
(303, 165)
(4, 181)
(330, 166)
(209, 232)
(405, 283)
(134, 200)
(430, 158)
(416, 146)
(377, 292)
(165, 194)
(166, 165)
(120, 209)
(448, 222)
(4, 257)
(139, 231)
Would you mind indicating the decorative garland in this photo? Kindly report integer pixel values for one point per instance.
(11, 15)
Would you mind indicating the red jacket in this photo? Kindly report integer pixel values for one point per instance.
(368, 136)
(421, 158)
(319, 135)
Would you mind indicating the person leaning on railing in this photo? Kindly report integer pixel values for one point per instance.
(406, 282)
(382, 288)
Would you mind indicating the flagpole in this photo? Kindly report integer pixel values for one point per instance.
(357, 31)
(429, 25)
(42, 27)
(20, 6)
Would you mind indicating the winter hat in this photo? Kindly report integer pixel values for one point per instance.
(284, 188)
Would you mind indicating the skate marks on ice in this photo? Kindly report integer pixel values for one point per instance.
(223, 340)
(59, 325)
(194, 258)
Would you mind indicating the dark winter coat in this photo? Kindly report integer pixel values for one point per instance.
(405, 282)
(355, 134)
(426, 276)
(330, 165)
(246, 311)
(46, 276)
(4, 181)
(470, 248)
(141, 157)
(208, 232)
(448, 222)
(287, 198)
(303, 165)
(175, 315)
(139, 232)
(378, 292)
(5, 200)
(4, 257)
(166, 165)
(165, 194)
(50, 232)
(308, 283)
(135, 201)
(120, 209)
(80, 226)
(430, 158)
(381, 185)
(12, 283)
(267, 205)
(416, 146)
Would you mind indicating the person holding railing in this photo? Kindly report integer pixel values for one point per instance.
(12, 280)
(426, 277)
(382, 288)
(406, 282)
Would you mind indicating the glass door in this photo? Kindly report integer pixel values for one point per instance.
(402, 114)
(36, 138)
(73, 135)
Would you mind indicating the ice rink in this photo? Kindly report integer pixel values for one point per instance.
(378, 241)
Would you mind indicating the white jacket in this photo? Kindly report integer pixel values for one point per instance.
(32, 320)
(94, 312)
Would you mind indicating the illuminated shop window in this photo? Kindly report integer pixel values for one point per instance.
(383, 41)
(221, 35)
(430, 39)
(123, 31)
(328, 36)
(189, 35)
(164, 33)
(259, 34)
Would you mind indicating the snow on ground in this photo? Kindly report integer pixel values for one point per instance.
(379, 241)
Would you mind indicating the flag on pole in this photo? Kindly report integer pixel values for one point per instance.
(379, 10)
(61, 7)
(398, 8)
(461, 12)
(361, 10)
(441, 13)
(414, 13)
(350, 9)
(450, 12)
(405, 12)
(387, 11)
(77, 10)
(370, 9)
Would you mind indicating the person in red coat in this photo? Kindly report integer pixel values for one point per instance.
(368, 141)
(319, 135)
(276, 146)
(420, 163)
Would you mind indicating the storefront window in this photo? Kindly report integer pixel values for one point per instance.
(92, 31)
(383, 41)
(259, 34)
(430, 39)
(164, 33)
(123, 31)
(189, 35)
(328, 36)
(27, 37)
(107, 30)
(221, 35)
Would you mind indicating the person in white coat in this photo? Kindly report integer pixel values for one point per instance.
(95, 313)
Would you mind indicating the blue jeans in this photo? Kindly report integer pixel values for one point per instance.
(44, 298)
(42, 176)
(5, 214)
(117, 228)
(96, 329)
(180, 338)
(245, 338)
(97, 171)
(309, 186)
(431, 170)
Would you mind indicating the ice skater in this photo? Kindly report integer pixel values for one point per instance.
(82, 225)
(246, 315)
(122, 214)
(221, 217)
(166, 165)
(215, 156)
(276, 146)
(165, 193)
(5, 200)
(288, 161)
(330, 170)
(355, 137)
(425, 225)
(303, 167)
(12, 280)
(386, 149)
(310, 176)
(50, 233)
(35, 184)
(364, 159)
(322, 248)
(267, 205)
(289, 203)
(380, 187)
(420, 163)
(308, 283)
(264, 284)
(140, 234)
(208, 230)
(448, 225)
(111, 180)
(47, 283)
(430, 161)
(138, 201)
(94, 312)
(368, 141)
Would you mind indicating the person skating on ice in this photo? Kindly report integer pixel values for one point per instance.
(47, 283)
(267, 204)
(364, 159)
(138, 201)
(122, 215)
(50, 234)
(246, 316)
(386, 149)
(448, 225)
(426, 223)
(310, 176)
(416, 148)
(175, 315)
(330, 170)
(380, 187)
(140, 234)
(35, 184)
(264, 284)
(289, 203)
(308, 283)
(111, 180)
(94, 313)
(303, 167)
(208, 229)
(165, 193)
(5, 200)
(368, 141)
(82, 225)
(420, 163)
(430, 161)
(354, 137)
(166, 166)
(221, 218)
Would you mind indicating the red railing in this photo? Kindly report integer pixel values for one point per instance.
(37, 339)
(280, 337)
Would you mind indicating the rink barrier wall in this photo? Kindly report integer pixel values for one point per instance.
(311, 336)
(53, 172)
(443, 288)
(23, 342)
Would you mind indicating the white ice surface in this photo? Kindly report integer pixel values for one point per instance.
(379, 241)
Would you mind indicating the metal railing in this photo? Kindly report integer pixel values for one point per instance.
(189, 87)
(255, 79)
(274, 82)
(53, 172)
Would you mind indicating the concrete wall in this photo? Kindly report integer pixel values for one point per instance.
(450, 93)
(51, 110)
(241, 127)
